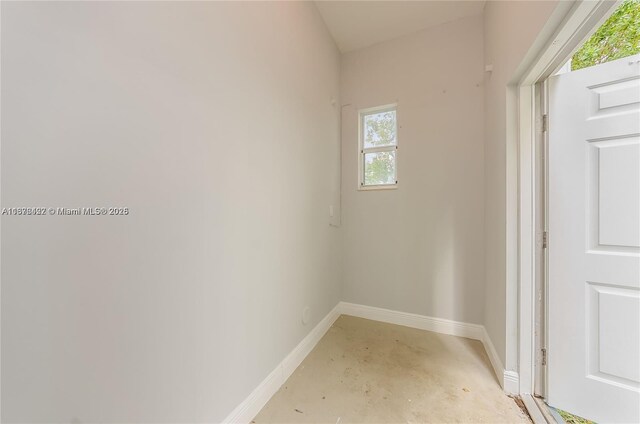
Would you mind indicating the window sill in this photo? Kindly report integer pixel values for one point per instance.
(378, 187)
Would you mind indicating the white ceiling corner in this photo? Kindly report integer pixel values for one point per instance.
(362, 23)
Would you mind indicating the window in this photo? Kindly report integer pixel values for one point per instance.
(378, 147)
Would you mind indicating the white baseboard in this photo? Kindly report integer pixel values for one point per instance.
(508, 379)
(422, 322)
(511, 384)
(250, 407)
(496, 363)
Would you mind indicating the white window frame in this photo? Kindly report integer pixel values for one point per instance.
(362, 151)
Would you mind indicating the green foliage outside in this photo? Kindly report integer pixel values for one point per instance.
(380, 130)
(573, 419)
(379, 168)
(618, 37)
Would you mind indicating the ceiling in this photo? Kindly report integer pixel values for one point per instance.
(357, 24)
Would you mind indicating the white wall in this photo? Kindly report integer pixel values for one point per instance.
(419, 248)
(510, 30)
(213, 123)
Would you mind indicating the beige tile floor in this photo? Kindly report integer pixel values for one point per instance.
(365, 371)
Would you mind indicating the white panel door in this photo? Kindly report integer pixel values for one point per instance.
(594, 242)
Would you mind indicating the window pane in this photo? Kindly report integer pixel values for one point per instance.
(379, 129)
(380, 168)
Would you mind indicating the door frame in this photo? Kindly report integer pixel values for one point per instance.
(569, 26)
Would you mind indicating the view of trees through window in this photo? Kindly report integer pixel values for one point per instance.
(618, 37)
(379, 131)
(380, 168)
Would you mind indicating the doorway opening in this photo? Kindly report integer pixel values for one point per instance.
(586, 191)
(570, 28)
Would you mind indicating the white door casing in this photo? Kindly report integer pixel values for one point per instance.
(594, 242)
